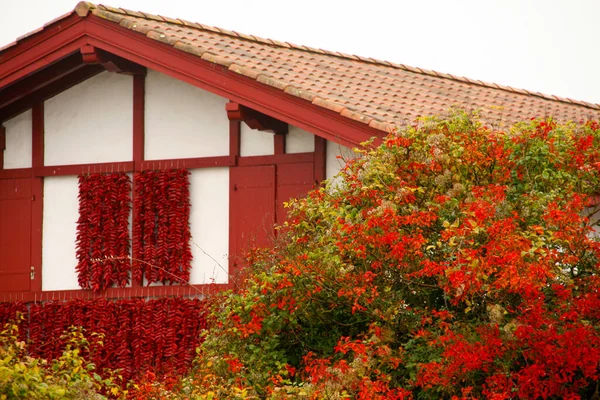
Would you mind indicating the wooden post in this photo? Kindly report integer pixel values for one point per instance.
(139, 94)
(2, 145)
(37, 191)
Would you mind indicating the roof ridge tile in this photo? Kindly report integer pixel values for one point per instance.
(217, 59)
(189, 24)
(160, 36)
(190, 48)
(135, 26)
(301, 93)
(153, 17)
(111, 16)
(132, 13)
(329, 104)
(273, 82)
(246, 71)
(357, 116)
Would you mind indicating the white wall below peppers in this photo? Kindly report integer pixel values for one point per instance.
(18, 141)
(90, 122)
(183, 121)
(61, 211)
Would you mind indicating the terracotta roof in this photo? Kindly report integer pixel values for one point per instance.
(378, 93)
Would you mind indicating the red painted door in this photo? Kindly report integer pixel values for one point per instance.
(15, 234)
(293, 181)
(252, 210)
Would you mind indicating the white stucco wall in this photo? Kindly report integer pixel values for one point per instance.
(255, 143)
(91, 122)
(18, 141)
(183, 121)
(334, 164)
(258, 143)
(61, 211)
(299, 141)
(209, 224)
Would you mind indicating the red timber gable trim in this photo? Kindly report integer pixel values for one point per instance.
(219, 80)
(53, 43)
(67, 36)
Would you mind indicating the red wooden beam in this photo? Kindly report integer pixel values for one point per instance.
(37, 189)
(37, 81)
(188, 163)
(116, 293)
(279, 143)
(49, 91)
(55, 42)
(255, 119)
(320, 159)
(37, 123)
(220, 81)
(24, 44)
(2, 145)
(235, 139)
(15, 173)
(110, 62)
(82, 169)
(275, 159)
(131, 166)
(139, 89)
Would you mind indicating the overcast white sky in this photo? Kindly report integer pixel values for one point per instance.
(551, 46)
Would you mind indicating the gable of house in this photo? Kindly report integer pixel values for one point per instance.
(255, 121)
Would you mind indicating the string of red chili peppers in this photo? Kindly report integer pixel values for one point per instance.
(161, 232)
(102, 244)
(156, 335)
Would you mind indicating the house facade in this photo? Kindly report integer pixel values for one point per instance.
(248, 122)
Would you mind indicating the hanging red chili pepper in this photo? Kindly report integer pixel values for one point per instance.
(156, 335)
(102, 245)
(161, 231)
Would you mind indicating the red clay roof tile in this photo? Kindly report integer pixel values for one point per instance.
(381, 94)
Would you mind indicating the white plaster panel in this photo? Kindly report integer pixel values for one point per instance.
(299, 141)
(91, 122)
(209, 225)
(333, 164)
(183, 121)
(18, 141)
(61, 211)
(256, 143)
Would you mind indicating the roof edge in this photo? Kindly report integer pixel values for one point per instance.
(85, 7)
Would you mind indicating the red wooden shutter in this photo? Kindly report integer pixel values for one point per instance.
(15, 235)
(252, 210)
(293, 181)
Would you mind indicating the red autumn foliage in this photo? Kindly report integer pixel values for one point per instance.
(453, 261)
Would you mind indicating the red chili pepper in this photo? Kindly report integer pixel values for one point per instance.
(161, 231)
(102, 245)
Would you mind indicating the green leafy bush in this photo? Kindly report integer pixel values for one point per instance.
(68, 377)
(451, 260)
